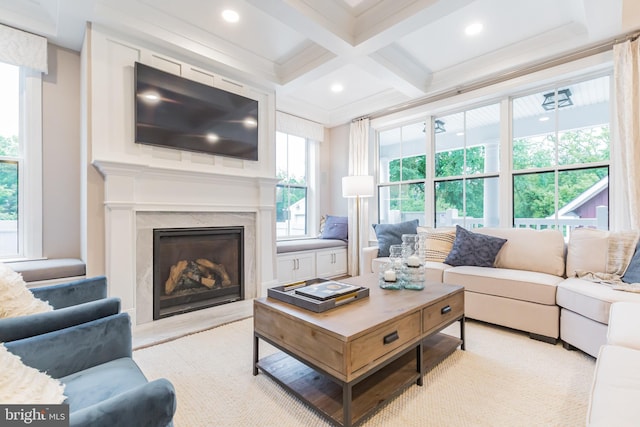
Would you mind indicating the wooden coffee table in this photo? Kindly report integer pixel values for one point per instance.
(348, 361)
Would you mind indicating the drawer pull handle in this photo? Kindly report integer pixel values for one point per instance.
(445, 310)
(388, 339)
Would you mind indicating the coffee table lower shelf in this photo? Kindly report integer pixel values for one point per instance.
(324, 394)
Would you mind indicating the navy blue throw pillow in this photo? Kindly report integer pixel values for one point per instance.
(474, 249)
(391, 234)
(335, 227)
(632, 275)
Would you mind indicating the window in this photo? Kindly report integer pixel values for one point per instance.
(20, 163)
(292, 201)
(466, 186)
(10, 159)
(561, 156)
(402, 172)
(538, 160)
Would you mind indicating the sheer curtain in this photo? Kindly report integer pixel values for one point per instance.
(625, 146)
(358, 165)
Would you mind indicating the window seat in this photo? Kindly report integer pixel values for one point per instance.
(286, 246)
(305, 259)
(49, 271)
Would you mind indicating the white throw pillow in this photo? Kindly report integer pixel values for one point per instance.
(22, 384)
(15, 298)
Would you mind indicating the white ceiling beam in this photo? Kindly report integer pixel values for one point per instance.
(397, 67)
(308, 22)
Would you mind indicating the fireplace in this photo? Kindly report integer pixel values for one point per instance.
(195, 268)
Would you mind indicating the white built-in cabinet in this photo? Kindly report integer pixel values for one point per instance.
(331, 262)
(305, 265)
(296, 266)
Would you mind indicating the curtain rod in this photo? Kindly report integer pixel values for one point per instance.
(508, 75)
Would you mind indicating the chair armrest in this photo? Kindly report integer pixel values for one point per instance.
(16, 328)
(73, 293)
(368, 255)
(151, 404)
(624, 318)
(76, 348)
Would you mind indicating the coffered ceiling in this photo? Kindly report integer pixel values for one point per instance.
(382, 52)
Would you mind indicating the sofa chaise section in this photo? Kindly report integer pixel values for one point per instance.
(585, 313)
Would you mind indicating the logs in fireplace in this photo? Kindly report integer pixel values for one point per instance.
(195, 268)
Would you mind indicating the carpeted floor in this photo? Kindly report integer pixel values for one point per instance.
(503, 379)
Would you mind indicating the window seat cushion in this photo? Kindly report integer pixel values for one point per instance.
(48, 269)
(285, 246)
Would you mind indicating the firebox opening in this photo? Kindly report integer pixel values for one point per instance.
(195, 268)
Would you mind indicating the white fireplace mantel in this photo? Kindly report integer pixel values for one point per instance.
(188, 196)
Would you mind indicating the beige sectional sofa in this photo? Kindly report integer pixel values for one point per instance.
(528, 289)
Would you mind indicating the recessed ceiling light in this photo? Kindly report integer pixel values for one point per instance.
(543, 118)
(230, 16)
(460, 134)
(337, 88)
(473, 29)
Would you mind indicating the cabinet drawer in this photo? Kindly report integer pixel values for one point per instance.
(442, 312)
(372, 346)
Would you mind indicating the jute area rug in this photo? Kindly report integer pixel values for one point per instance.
(502, 379)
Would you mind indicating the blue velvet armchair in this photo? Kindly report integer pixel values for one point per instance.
(103, 385)
(74, 303)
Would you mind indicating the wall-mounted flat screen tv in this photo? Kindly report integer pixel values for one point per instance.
(171, 111)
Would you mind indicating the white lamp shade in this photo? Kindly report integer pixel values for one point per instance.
(357, 186)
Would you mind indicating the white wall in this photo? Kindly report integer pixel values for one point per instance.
(335, 164)
(61, 154)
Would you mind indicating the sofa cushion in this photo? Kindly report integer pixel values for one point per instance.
(391, 234)
(437, 243)
(529, 249)
(15, 298)
(600, 251)
(21, 384)
(49, 269)
(474, 249)
(623, 325)
(286, 246)
(99, 383)
(522, 285)
(590, 299)
(335, 227)
(615, 390)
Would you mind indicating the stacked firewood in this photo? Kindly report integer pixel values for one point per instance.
(194, 274)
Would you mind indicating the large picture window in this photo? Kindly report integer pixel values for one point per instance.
(537, 160)
(561, 139)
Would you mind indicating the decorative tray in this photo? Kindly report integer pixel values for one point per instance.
(346, 294)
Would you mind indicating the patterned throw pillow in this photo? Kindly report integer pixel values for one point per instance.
(474, 249)
(438, 244)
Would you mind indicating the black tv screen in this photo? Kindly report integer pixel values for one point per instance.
(171, 111)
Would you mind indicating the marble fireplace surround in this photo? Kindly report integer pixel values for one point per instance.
(139, 198)
(146, 222)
